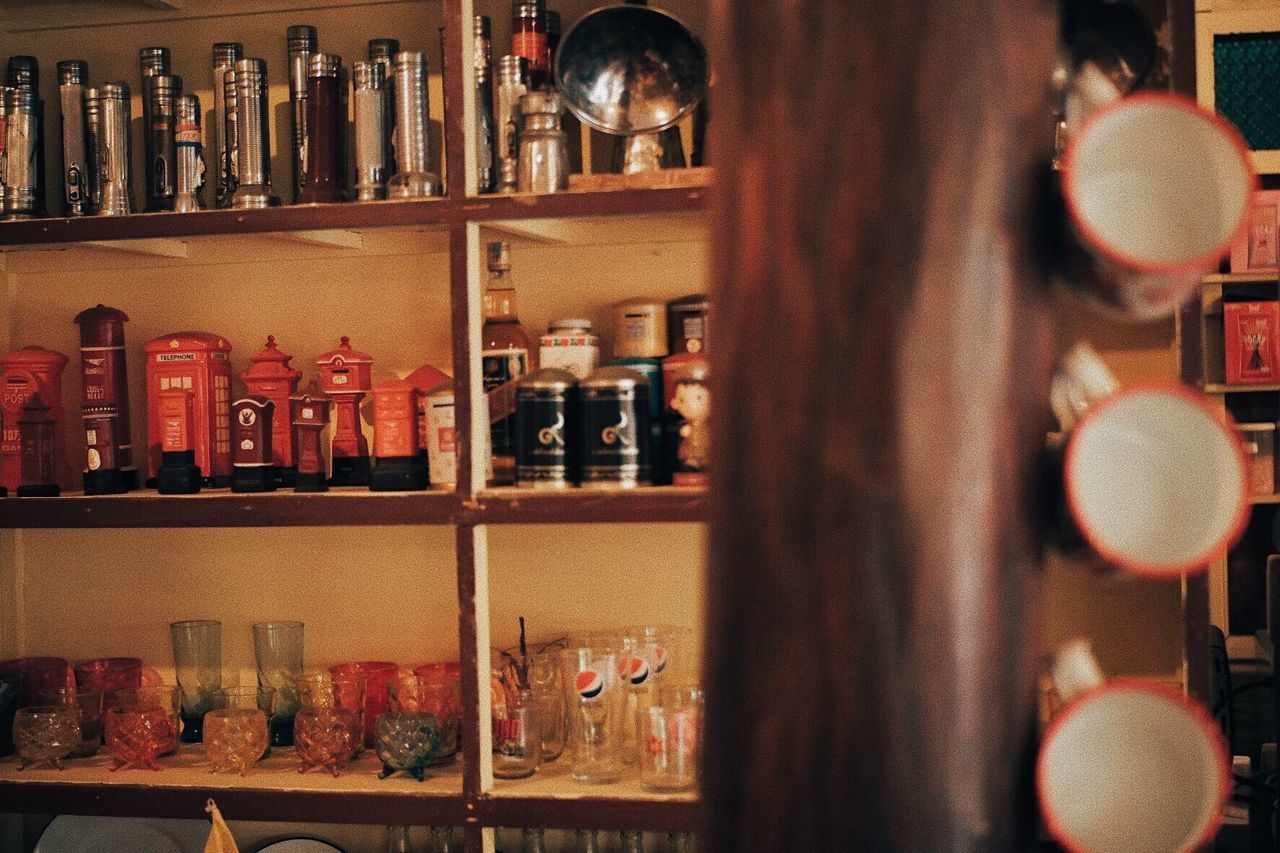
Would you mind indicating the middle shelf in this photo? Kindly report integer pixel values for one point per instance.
(355, 506)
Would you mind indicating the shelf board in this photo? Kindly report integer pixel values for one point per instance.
(1215, 388)
(437, 213)
(647, 504)
(142, 226)
(1264, 499)
(552, 798)
(272, 790)
(222, 508)
(1243, 278)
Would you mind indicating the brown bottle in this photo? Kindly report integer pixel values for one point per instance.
(507, 354)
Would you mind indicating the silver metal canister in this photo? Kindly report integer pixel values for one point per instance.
(23, 72)
(512, 85)
(73, 76)
(162, 162)
(253, 135)
(383, 51)
(22, 140)
(112, 149)
(545, 418)
(302, 42)
(413, 153)
(369, 102)
(544, 156)
(92, 135)
(152, 62)
(188, 146)
(4, 113)
(225, 54)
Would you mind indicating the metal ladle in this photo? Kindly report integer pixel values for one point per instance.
(631, 71)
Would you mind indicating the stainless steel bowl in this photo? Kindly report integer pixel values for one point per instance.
(631, 69)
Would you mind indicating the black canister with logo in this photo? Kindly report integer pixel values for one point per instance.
(545, 421)
(613, 406)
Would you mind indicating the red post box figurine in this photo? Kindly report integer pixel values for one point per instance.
(345, 377)
(35, 428)
(252, 469)
(23, 374)
(426, 379)
(395, 438)
(179, 474)
(273, 378)
(198, 362)
(309, 415)
(106, 389)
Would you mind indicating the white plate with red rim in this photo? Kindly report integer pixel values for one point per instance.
(85, 834)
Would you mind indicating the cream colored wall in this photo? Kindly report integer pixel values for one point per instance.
(1135, 625)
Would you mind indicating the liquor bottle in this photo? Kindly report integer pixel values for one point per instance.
(507, 354)
(584, 841)
(441, 839)
(680, 842)
(398, 840)
(534, 840)
(632, 841)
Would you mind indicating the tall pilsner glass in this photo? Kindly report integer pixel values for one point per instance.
(197, 657)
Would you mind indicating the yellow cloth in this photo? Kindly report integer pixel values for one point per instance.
(220, 838)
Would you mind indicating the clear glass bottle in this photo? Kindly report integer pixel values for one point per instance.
(398, 840)
(507, 353)
(534, 840)
(517, 744)
(632, 841)
(441, 839)
(680, 842)
(584, 841)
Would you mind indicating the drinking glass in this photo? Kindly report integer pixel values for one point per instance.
(377, 673)
(165, 697)
(418, 693)
(326, 736)
(88, 705)
(517, 743)
(447, 674)
(546, 678)
(10, 689)
(109, 675)
(670, 735)
(137, 734)
(197, 657)
(234, 738)
(249, 698)
(345, 693)
(406, 740)
(277, 646)
(37, 674)
(45, 734)
(594, 694)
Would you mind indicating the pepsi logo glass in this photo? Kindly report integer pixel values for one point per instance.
(596, 698)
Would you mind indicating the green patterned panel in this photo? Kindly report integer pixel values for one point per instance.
(1246, 84)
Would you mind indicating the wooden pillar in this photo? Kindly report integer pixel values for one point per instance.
(881, 362)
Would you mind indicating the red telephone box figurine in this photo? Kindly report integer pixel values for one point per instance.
(105, 382)
(198, 362)
(24, 373)
(36, 428)
(395, 438)
(273, 378)
(179, 474)
(309, 415)
(252, 469)
(345, 377)
(426, 379)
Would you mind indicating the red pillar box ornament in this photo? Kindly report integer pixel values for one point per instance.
(106, 389)
(23, 374)
(252, 469)
(35, 428)
(273, 378)
(395, 438)
(345, 377)
(179, 474)
(309, 415)
(198, 362)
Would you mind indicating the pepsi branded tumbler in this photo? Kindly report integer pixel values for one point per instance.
(594, 694)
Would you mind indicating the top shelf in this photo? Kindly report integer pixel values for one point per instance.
(1243, 278)
(518, 212)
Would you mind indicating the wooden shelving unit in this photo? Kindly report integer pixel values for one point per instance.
(456, 226)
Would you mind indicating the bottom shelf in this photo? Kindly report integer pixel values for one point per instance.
(272, 790)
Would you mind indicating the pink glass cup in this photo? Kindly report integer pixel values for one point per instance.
(37, 674)
(162, 696)
(109, 675)
(326, 736)
(376, 703)
(137, 735)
